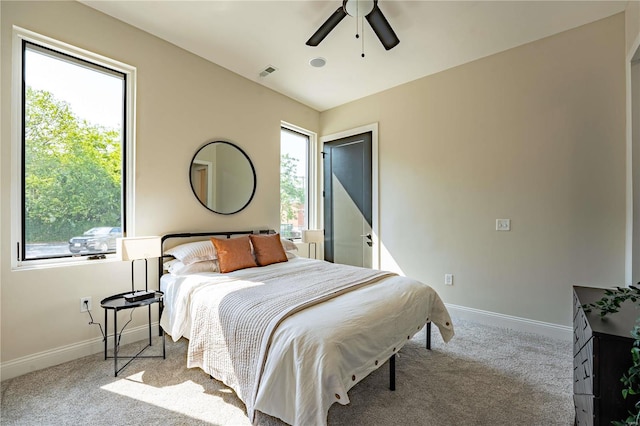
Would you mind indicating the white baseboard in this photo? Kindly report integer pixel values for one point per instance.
(546, 329)
(38, 361)
(62, 354)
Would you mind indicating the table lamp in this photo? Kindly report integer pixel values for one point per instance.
(139, 248)
(313, 236)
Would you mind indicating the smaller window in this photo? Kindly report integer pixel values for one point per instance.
(295, 187)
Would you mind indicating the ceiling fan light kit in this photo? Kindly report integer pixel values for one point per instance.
(358, 8)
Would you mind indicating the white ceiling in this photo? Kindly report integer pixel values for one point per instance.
(246, 36)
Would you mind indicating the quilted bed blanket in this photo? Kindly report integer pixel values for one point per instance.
(243, 329)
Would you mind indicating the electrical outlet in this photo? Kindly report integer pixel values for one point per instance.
(85, 304)
(448, 279)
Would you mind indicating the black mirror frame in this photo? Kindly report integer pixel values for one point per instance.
(253, 170)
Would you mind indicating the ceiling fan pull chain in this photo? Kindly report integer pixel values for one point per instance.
(357, 29)
(362, 25)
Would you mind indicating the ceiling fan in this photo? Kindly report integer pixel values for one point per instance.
(358, 8)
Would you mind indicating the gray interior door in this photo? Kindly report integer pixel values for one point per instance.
(347, 200)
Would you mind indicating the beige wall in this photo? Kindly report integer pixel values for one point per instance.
(632, 24)
(182, 102)
(535, 134)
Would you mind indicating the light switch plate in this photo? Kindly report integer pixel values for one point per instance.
(503, 224)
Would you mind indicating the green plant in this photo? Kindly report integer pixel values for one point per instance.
(610, 304)
(72, 171)
(292, 191)
(613, 298)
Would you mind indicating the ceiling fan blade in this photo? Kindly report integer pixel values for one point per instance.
(326, 28)
(381, 27)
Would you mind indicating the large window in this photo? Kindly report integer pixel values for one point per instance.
(295, 187)
(72, 160)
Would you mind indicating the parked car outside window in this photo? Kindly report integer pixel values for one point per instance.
(100, 239)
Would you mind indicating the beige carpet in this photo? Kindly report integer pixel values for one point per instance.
(484, 376)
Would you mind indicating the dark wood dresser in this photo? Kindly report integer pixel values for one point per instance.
(601, 355)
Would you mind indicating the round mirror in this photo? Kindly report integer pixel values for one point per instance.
(222, 177)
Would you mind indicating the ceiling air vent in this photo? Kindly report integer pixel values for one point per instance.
(268, 70)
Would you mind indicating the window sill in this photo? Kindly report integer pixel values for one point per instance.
(30, 265)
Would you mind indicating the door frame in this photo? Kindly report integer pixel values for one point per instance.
(375, 225)
(211, 177)
(632, 234)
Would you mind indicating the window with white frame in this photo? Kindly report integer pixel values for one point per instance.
(296, 181)
(73, 155)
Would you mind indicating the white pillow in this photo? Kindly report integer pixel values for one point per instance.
(290, 255)
(198, 251)
(288, 245)
(167, 264)
(179, 268)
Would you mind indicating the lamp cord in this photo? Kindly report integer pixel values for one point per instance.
(98, 324)
(104, 336)
(122, 330)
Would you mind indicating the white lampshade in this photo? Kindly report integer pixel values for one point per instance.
(135, 248)
(313, 236)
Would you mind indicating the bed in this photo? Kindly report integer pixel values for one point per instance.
(291, 336)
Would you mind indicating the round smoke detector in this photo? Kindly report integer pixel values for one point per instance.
(318, 62)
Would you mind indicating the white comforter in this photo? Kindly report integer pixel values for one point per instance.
(318, 354)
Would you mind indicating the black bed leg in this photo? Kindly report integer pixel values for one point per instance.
(392, 372)
(429, 335)
(160, 309)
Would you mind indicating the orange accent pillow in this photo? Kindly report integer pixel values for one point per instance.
(234, 254)
(268, 249)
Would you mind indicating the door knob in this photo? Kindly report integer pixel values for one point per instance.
(368, 236)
